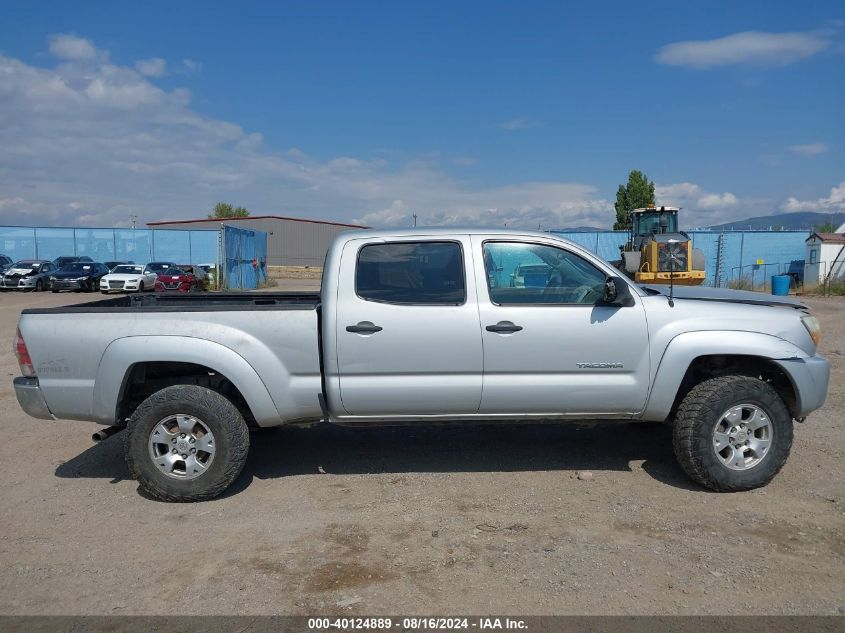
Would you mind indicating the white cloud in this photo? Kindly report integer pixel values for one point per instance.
(190, 66)
(809, 149)
(700, 207)
(834, 202)
(749, 47)
(519, 123)
(88, 142)
(153, 67)
(72, 48)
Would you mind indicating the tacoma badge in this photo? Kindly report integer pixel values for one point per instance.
(599, 365)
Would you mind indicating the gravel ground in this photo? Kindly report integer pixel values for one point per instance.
(422, 520)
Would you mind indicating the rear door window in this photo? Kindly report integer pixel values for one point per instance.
(411, 273)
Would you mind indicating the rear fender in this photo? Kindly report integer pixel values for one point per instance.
(122, 354)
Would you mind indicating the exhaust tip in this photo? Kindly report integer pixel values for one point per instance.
(105, 433)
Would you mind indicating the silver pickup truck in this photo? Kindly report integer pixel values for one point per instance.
(414, 327)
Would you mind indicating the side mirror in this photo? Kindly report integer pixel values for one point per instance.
(616, 293)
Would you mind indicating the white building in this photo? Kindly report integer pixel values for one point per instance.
(825, 256)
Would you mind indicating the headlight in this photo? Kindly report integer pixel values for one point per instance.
(813, 327)
(52, 279)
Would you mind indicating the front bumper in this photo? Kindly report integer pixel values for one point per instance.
(809, 377)
(17, 283)
(65, 284)
(128, 286)
(31, 399)
(182, 287)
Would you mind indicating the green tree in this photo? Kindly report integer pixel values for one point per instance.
(223, 210)
(638, 193)
(827, 227)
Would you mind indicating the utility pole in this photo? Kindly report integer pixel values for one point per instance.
(134, 219)
(415, 220)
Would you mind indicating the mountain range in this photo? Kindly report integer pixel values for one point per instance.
(801, 221)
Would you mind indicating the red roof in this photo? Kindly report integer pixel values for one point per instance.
(258, 217)
(830, 238)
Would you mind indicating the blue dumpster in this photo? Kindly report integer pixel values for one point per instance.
(780, 285)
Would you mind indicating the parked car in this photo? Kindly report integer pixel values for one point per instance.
(112, 265)
(78, 276)
(160, 267)
(5, 262)
(176, 279)
(408, 328)
(64, 260)
(198, 272)
(28, 274)
(128, 278)
(211, 271)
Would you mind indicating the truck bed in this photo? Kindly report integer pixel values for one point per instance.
(84, 353)
(192, 302)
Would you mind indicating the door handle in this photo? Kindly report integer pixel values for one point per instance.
(364, 327)
(503, 327)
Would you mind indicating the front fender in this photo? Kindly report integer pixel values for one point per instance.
(685, 348)
(123, 353)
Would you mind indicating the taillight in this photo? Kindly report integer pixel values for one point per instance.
(22, 353)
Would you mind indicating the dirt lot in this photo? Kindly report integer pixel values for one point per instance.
(429, 520)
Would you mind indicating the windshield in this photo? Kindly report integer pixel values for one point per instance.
(173, 272)
(26, 266)
(77, 267)
(157, 267)
(128, 270)
(649, 222)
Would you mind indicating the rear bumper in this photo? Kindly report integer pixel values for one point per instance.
(809, 377)
(693, 278)
(31, 399)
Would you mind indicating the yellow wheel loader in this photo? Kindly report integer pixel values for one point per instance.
(657, 252)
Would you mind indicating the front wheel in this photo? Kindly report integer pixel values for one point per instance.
(732, 433)
(141, 287)
(39, 286)
(186, 443)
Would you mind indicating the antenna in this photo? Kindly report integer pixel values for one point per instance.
(415, 220)
(670, 247)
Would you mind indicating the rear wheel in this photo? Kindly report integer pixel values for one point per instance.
(186, 443)
(732, 433)
(39, 286)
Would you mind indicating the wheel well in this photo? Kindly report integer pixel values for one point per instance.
(706, 367)
(144, 379)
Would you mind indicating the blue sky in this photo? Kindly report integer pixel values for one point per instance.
(528, 113)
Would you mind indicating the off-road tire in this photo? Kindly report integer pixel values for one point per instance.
(697, 417)
(218, 413)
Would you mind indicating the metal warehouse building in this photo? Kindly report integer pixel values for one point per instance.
(290, 241)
